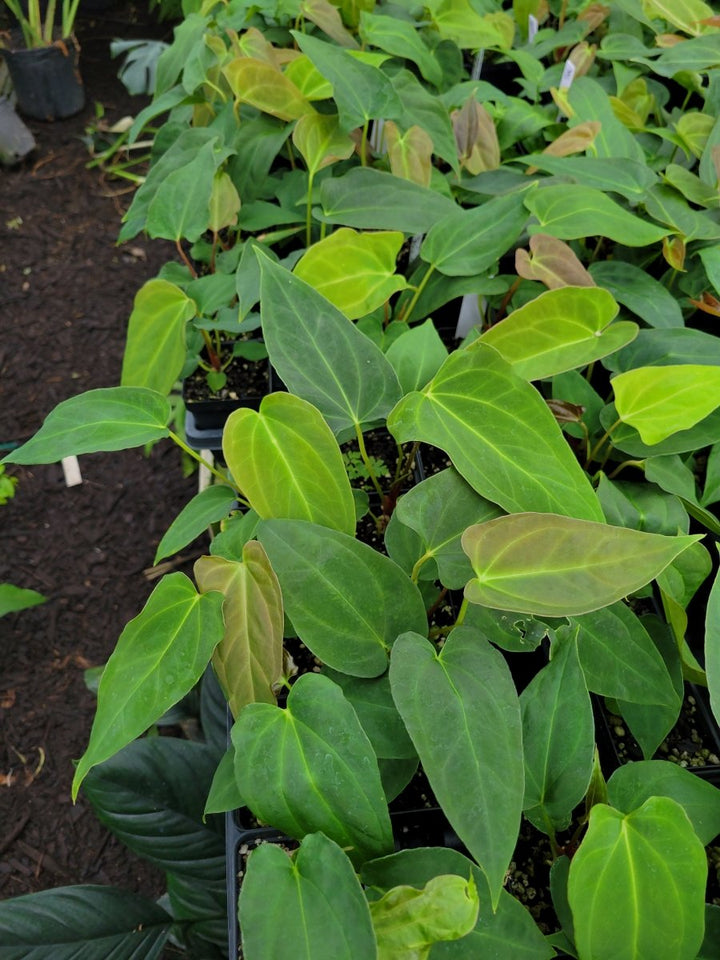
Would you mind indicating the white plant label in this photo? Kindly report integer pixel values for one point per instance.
(477, 65)
(471, 313)
(377, 137)
(415, 245)
(532, 27)
(71, 471)
(568, 75)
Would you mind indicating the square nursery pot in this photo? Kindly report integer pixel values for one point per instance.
(46, 79)
(206, 415)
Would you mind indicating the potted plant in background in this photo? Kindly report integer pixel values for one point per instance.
(43, 59)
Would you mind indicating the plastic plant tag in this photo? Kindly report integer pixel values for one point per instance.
(477, 65)
(568, 75)
(532, 27)
(470, 315)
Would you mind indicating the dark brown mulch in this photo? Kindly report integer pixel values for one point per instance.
(66, 292)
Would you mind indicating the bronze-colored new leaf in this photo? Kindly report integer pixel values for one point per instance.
(476, 137)
(263, 86)
(410, 153)
(248, 660)
(575, 140)
(552, 262)
(326, 16)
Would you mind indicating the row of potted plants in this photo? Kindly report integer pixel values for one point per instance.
(386, 644)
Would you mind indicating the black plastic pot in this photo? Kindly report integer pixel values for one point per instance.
(209, 415)
(47, 79)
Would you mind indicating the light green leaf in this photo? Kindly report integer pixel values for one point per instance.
(468, 242)
(590, 101)
(408, 921)
(180, 208)
(509, 933)
(324, 912)
(571, 210)
(637, 884)
(639, 292)
(160, 656)
(110, 418)
(83, 920)
(661, 401)
(409, 152)
(259, 83)
(558, 566)
(499, 433)
(417, 355)
(320, 141)
(155, 349)
(371, 199)
(558, 737)
(458, 21)
(712, 646)
(619, 658)
(209, 506)
(13, 599)
(311, 767)
(347, 602)
(248, 661)
(634, 783)
(560, 330)
(321, 355)
(361, 90)
(287, 463)
(354, 271)
(465, 690)
(439, 509)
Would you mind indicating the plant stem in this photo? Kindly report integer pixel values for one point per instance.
(625, 463)
(418, 566)
(206, 463)
(462, 612)
(598, 446)
(186, 259)
(308, 212)
(367, 461)
(405, 318)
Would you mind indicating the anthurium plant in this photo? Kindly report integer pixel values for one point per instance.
(382, 644)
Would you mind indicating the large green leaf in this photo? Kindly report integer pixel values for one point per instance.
(401, 39)
(712, 646)
(354, 271)
(439, 510)
(320, 141)
(321, 355)
(14, 599)
(560, 330)
(499, 433)
(209, 506)
(571, 210)
(590, 101)
(155, 349)
(660, 401)
(660, 348)
(619, 658)
(468, 242)
(508, 933)
(287, 463)
(347, 602)
(420, 107)
(475, 768)
(371, 199)
(637, 884)
(372, 701)
(558, 566)
(558, 737)
(82, 923)
(261, 84)
(311, 767)
(324, 912)
(360, 90)
(634, 783)
(180, 208)
(626, 438)
(160, 656)
(409, 921)
(110, 418)
(629, 178)
(248, 660)
(635, 289)
(152, 795)
(417, 355)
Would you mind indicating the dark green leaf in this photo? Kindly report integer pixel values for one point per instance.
(206, 507)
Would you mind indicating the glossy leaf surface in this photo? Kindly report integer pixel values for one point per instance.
(417, 355)
(372, 701)
(248, 659)
(660, 401)
(354, 271)
(155, 348)
(259, 83)
(560, 566)
(110, 418)
(209, 506)
(347, 602)
(475, 768)
(321, 141)
(321, 355)
(560, 330)
(635, 289)
(712, 646)
(311, 767)
(159, 657)
(499, 433)
(287, 463)
(324, 912)
(637, 884)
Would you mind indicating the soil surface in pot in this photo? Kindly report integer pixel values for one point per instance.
(66, 292)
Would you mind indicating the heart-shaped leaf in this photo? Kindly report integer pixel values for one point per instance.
(155, 348)
(560, 330)
(259, 83)
(320, 141)
(248, 659)
(159, 657)
(466, 691)
(321, 355)
(325, 915)
(499, 433)
(558, 566)
(110, 418)
(417, 355)
(287, 463)
(347, 602)
(401, 39)
(311, 767)
(637, 884)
